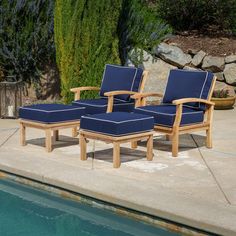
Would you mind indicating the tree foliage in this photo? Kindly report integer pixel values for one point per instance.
(86, 39)
(141, 28)
(198, 14)
(26, 37)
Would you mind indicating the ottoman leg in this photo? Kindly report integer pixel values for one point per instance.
(22, 134)
(83, 147)
(134, 144)
(48, 140)
(55, 135)
(116, 155)
(74, 132)
(150, 148)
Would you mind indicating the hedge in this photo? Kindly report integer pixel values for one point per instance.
(86, 39)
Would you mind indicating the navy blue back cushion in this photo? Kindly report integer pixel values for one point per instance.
(121, 78)
(188, 84)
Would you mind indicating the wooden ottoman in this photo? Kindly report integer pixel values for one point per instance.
(116, 128)
(50, 118)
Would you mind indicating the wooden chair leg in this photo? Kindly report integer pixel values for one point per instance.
(150, 148)
(209, 137)
(48, 140)
(22, 134)
(116, 155)
(83, 147)
(55, 135)
(134, 144)
(74, 132)
(175, 144)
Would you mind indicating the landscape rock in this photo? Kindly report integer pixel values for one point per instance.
(192, 51)
(230, 59)
(213, 64)
(220, 76)
(224, 86)
(198, 58)
(172, 55)
(230, 73)
(190, 68)
(158, 74)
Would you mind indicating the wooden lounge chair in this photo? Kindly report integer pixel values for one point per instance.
(185, 108)
(118, 83)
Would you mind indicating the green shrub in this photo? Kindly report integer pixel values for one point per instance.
(86, 39)
(26, 37)
(140, 28)
(198, 14)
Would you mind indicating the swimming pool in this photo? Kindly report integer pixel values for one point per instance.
(25, 211)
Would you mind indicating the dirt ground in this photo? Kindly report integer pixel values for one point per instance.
(214, 46)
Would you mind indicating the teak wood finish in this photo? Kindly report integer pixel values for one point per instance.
(116, 141)
(173, 133)
(48, 128)
(110, 95)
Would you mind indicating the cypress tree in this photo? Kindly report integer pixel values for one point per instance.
(86, 39)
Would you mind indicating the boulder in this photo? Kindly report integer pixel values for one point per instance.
(192, 51)
(230, 73)
(230, 59)
(198, 58)
(213, 64)
(219, 76)
(190, 68)
(224, 86)
(158, 74)
(172, 55)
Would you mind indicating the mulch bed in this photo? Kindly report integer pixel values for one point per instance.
(212, 45)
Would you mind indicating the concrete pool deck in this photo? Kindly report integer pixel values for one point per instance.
(197, 189)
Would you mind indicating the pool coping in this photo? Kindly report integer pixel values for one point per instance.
(209, 217)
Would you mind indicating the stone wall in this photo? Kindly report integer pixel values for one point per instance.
(167, 56)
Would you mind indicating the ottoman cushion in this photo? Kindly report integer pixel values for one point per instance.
(117, 123)
(51, 113)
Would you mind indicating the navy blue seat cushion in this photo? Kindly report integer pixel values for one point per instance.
(121, 78)
(188, 84)
(117, 123)
(51, 113)
(164, 115)
(95, 106)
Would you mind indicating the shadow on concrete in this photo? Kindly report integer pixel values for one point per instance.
(64, 141)
(126, 155)
(187, 142)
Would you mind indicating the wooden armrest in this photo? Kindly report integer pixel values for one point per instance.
(118, 92)
(144, 95)
(79, 89)
(75, 90)
(187, 100)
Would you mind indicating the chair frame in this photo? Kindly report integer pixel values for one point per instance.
(172, 133)
(77, 91)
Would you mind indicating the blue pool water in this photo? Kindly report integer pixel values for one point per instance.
(25, 211)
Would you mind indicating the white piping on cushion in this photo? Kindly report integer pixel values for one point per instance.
(54, 122)
(135, 74)
(35, 109)
(93, 105)
(116, 122)
(172, 125)
(118, 135)
(162, 113)
(121, 100)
